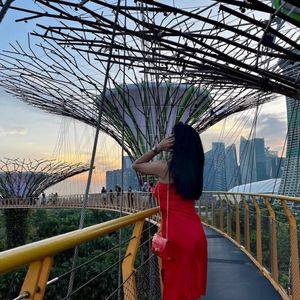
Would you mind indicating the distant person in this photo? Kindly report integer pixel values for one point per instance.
(111, 197)
(103, 195)
(130, 197)
(43, 198)
(151, 186)
(145, 187)
(180, 183)
(118, 190)
(55, 198)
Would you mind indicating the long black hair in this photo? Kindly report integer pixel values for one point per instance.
(187, 162)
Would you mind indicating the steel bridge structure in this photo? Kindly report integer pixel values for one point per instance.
(247, 236)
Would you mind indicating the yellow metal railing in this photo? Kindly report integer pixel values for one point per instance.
(265, 227)
(131, 201)
(39, 255)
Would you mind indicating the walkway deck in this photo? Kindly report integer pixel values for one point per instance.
(232, 275)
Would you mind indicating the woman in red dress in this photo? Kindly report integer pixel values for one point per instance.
(180, 182)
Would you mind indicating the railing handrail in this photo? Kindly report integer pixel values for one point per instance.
(272, 196)
(23, 255)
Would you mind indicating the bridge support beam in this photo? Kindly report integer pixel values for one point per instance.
(246, 224)
(294, 252)
(258, 231)
(221, 213)
(128, 271)
(237, 220)
(273, 235)
(36, 279)
(229, 229)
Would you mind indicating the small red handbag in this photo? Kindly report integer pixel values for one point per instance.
(159, 243)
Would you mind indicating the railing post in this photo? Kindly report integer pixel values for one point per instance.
(36, 278)
(274, 258)
(294, 252)
(221, 212)
(116, 201)
(258, 231)
(213, 214)
(229, 230)
(246, 224)
(129, 283)
(237, 220)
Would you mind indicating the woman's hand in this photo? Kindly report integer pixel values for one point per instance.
(166, 144)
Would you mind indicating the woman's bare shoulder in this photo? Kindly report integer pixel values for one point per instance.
(164, 171)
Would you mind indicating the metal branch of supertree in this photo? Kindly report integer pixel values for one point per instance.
(169, 63)
(68, 83)
(228, 42)
(29, 178)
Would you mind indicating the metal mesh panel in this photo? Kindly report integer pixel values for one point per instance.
(253, 231)
(145, 279)
(284, 254)
(242, 223)
(148, 280)
(266, 223)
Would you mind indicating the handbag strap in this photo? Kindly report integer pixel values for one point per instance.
(167, 221)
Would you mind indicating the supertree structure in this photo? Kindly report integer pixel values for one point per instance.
(27, 179)
(144, 110)
(226, 55)
(232, 43)
(4, 8)
(140, 108)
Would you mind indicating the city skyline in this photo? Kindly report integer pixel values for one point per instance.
(226, 168)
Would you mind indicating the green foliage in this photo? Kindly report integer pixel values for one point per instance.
(45, 223)
(16, 226)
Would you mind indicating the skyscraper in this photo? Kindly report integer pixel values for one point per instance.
(114, 177)
(290, 182)
(260, 158)
(208, 183)
(252, 160)
(232, 168)
(127, 163)
(218, 171)
(274, 164)
(247, 166)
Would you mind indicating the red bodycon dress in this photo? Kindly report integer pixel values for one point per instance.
(184, 271)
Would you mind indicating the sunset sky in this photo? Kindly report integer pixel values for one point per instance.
(27, 132)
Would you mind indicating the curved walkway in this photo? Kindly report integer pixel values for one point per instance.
(232, 275)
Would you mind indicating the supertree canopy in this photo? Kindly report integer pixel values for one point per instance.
(167, 63)
(150, 110)
(26, 179)
(137, 110)
(230, 42)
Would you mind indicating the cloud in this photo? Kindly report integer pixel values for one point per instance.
(12, 130)
(273, 129)
(272, 126)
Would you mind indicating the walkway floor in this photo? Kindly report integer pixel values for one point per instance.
(232, 275)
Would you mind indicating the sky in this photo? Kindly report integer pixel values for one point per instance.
(27, 132)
